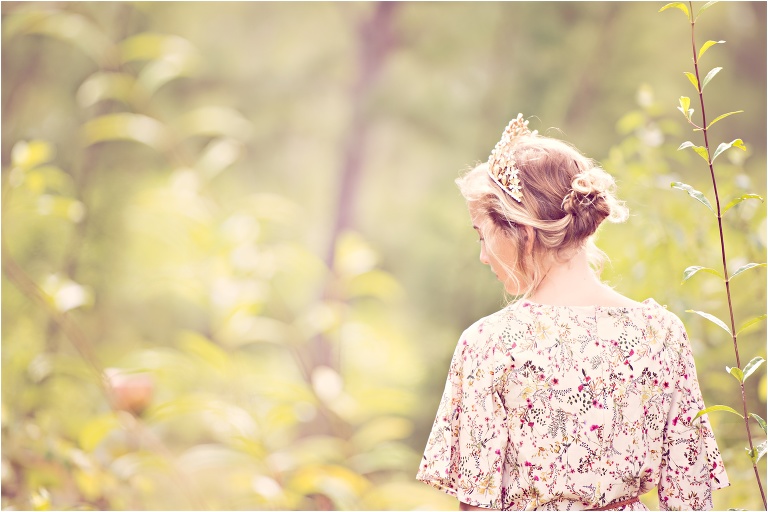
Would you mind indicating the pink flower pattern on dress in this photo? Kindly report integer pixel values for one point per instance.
(573, 408)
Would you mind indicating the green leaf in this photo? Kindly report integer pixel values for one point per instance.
(760, 421)
(740, 199)
(706, 6)
(702, 152)
(677, 5)
(684, 107)
(711, 318)
(105, 86)
(717, 408)
(126, 126)
(96, 430)
(690, 271)
(723, 117)
(706, 46)
(744, 268)
(737, 143)
(762, 448)
(693, 193)
(693, 80)
(736, 372)
(709, 77)
(752, 366)
(751, 322)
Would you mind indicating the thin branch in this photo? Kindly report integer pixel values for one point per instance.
(722, 252)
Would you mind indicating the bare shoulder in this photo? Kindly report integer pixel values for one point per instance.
(611, 298)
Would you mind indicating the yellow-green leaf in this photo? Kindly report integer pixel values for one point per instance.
(706, 46)
(736, 372)
(736, 143)
(677, 5)
(746, 267)
(709, 77)
(706, 6)
(126, 126)
(762, 448)
(693, 193)
(28, 154)
(740, 199)
(96, 430)
(693, 80)
(702, 152)
(723, 117)
(760, 421)
(751, 322)
(717, 408)
(752, 366)
(690, 271)
(711, 318)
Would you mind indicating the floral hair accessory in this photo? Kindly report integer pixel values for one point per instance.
(502, 165)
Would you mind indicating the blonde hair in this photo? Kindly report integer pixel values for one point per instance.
(566, 196)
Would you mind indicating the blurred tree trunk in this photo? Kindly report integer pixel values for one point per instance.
(376, 41)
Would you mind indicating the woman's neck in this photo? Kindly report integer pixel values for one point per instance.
(573, 283)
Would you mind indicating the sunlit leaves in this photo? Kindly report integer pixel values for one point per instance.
(736, 143)
(96, 429)
(215, 121)
(380, 430)
(718, 408)
(741, 198)
(694, 194)
(709, 77)
(103, 86)
(218, 155)
(28, 154)
(752, 366)
(129, 127)
(711, 318)
(690, 271)
(677, 5)
(70, 27)
(149, 46)
(65, 293)
(706, 46)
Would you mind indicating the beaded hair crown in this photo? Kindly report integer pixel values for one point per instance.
(501, 163)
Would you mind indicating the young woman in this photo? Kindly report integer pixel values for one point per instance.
(573, 397)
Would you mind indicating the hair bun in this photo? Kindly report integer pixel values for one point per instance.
(590, 201)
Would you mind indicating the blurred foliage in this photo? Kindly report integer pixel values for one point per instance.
(191, 321)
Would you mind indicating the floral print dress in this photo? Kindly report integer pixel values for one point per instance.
(573, 408)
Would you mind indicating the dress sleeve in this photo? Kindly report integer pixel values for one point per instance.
(691, 466)
(466, 447)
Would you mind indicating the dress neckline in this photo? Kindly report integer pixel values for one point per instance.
(647, 303)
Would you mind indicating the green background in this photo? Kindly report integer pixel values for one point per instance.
(246, 211)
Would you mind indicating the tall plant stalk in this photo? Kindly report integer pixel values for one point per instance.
(704, 151)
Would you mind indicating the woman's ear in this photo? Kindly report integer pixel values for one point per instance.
(530, 235)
